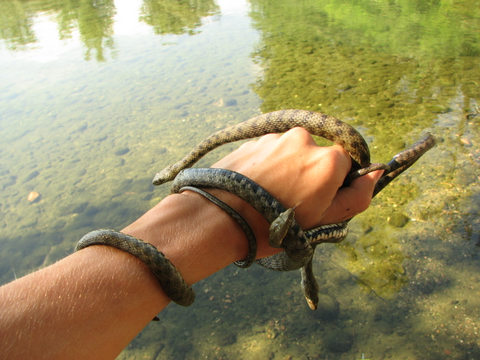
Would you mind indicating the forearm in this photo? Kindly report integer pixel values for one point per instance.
(94, 302)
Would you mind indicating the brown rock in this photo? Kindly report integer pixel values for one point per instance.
(33, 196)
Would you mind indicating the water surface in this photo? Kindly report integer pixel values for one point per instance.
(96, 97)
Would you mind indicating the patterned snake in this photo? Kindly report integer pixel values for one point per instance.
(299, 245)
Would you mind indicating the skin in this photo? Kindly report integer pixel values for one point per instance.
(91, 304)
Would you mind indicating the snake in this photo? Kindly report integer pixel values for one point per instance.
(298, 245)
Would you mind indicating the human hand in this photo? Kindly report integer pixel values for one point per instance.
(120, 295)
(291, 167)
(299, 173)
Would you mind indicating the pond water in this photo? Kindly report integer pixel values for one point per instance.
(97, 96)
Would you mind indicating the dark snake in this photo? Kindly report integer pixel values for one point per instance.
(298, 245)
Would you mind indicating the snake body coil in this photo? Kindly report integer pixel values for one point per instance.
(166, 273)
(280, 121)
(299, 245)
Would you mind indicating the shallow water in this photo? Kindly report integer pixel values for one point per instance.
(94, 100)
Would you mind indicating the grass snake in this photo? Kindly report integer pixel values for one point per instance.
(299, 245)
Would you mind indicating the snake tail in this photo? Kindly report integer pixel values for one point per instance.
(404, 159)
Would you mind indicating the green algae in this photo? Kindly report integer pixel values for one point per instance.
(402, 291)
(318, 60)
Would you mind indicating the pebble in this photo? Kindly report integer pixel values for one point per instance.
(33, 196)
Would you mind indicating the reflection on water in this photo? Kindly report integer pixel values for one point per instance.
(94, 21)
(88, 136)
(176, 17)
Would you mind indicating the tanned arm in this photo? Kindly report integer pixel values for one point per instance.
(91, 304)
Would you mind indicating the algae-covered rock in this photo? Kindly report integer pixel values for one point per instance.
(338, 341)
(121, 151)
(31, 176)
(398, 220)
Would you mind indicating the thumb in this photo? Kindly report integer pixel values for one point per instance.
(353, 199)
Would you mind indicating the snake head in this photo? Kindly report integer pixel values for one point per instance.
(163, 176)
(280, 226)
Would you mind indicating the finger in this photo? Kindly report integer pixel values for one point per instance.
(353, 199)
(315, 184)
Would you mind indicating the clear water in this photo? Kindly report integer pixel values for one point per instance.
(96, 97)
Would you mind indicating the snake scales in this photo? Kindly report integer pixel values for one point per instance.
(299, 245)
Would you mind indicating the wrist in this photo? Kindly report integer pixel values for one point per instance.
(197, 236)
(257, 222)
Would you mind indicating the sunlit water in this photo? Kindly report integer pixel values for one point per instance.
(94, 100)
